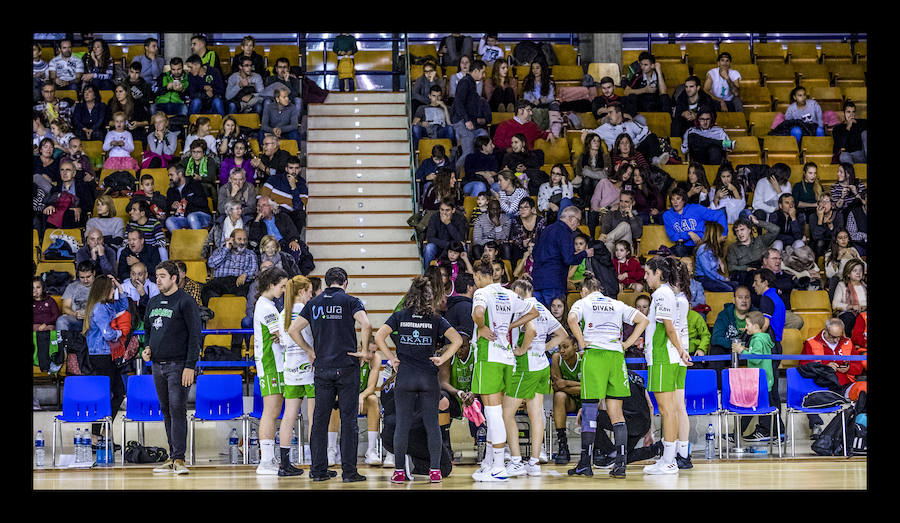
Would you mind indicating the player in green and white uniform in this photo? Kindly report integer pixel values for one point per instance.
(267, 334)
(493, 308)
(530, 380)
(298, 370)
(565, 376)
(455, 379)
(666, 354)
(682, 444)
(596, 322)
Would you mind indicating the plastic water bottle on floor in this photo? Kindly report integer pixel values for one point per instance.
(481, 441)
(253, 445)
(39, 449)
(86, 453)
(295, 448)
(76, 439)
(101, 451)
(710, 442)
(233, 447)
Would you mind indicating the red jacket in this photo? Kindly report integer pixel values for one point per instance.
(860, 335)
(816, 345)
(632, 267)
(507, 129)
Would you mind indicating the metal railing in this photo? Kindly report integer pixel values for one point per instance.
(752, 38)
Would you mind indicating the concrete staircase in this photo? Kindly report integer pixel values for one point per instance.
(358, 172)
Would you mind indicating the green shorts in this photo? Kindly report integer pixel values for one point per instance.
(604, 375)
(666, 377)
(525, 384)
(490, 377)
(299, 391)
(271, 384)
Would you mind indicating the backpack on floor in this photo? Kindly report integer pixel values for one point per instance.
(831, 442)
(136, 453)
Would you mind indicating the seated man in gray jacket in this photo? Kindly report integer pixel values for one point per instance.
(708, 143)
(94, 250)
(243, 89)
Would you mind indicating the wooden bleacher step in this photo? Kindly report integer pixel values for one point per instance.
(357, 122)
(357, 135)
(357, 109)
(361, 161)
(378, 174)
(358, 204)
(342, 147)
(379, 97)
(368, 188)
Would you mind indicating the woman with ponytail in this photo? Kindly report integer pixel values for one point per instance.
(666, 352)
(683, 297)
(298, 370)
(420, 332)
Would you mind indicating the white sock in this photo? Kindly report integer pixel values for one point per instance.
(682, 448)
(516, 459)
(498, 459)
(332, 440)
(668, 452)
(488, 460)
(373, 440)
(267, 450)
(533, 461)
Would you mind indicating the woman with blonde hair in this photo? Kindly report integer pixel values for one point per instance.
(161, 142)
(270, 250)
(105, 219)
(298, 370)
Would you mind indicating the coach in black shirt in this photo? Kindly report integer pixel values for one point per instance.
(332, 316)
(172, 326)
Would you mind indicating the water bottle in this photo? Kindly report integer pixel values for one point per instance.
(710, 442)
(278, 447)
(101, 451)
(254, 447)
(295, 448)
(39, 449)
(480, 440)
(85, 445)
(77, 441)
(233, 447)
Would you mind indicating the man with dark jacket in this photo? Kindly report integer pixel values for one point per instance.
(688, 104)
(791, 224)
(730, 326)
(553, 254)
(271, 160)
(137, 251)
(444, 227)
(186, 202)
(270, 221)
(284, 77)
(248, 43)
(141, 91)
(173, 340)
(71, 197)
(465, 110)
(206, 88)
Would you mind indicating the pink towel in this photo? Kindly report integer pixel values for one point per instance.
(744, 383)
(473, 413)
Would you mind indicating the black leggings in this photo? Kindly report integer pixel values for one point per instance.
(412, 386)
(637, 429)
(103, 366)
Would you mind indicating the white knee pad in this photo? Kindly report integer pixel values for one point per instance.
(496, 429)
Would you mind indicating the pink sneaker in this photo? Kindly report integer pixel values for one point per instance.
(399, 476)
(435, 475)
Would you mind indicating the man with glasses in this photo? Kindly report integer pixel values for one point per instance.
(282, 79)
(784, 284)
(271, 160)
(52, 107)
(244, 86)
(66, 69)
(421, 90)
(708, 143)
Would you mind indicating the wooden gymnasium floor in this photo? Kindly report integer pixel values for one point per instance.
(747, 474)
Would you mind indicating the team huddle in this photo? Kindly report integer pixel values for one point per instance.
(513, 333)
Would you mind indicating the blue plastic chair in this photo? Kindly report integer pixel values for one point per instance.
(643, 374)
(797, 388)
(701, 396)
(86, 399)
(219, 397)
(762, 408)
(142, 404)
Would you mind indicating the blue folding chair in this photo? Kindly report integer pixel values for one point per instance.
(701, 396)
(86, 399)
(643, 374)
(220, 397)
(797, 388)
(762, 408)
(142, 405)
